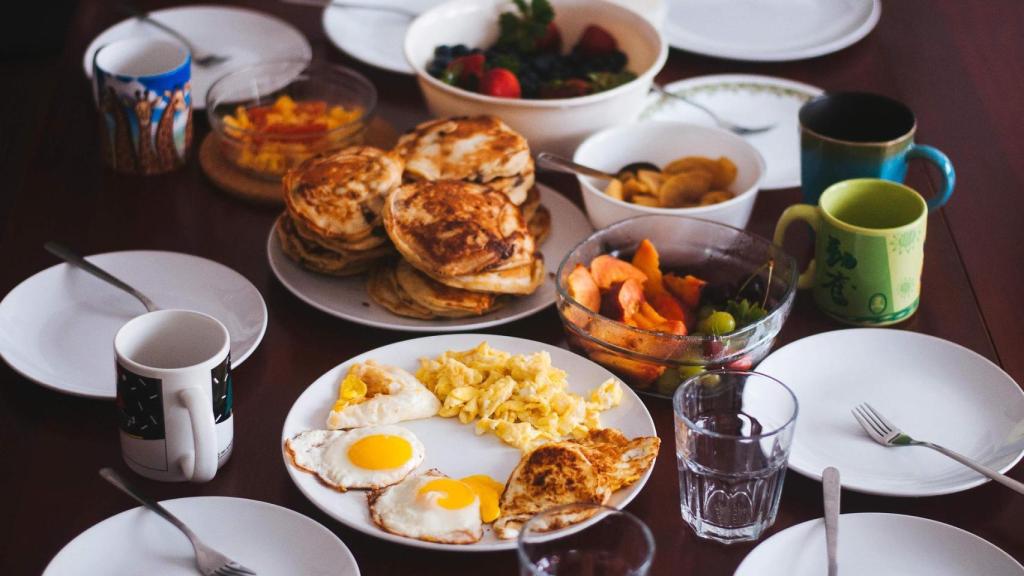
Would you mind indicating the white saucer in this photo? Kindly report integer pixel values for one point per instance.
(263, 537)
(751, 100)
(769, 31)
(57, 327)
(933, 389)
(347, 298)
(877, 545)
(246, 36)
(452, 447)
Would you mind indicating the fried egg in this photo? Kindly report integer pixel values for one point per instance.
(364, 458)
(372, 394)
(430, 507)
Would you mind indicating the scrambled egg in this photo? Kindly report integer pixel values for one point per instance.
(522, 399)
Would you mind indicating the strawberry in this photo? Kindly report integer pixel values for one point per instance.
(569, 88)
(466, 71)
(595, 42)
(500, 82)
(551, 41)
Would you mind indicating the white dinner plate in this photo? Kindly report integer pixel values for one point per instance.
(768, 30)
(57, 327)
(347, 298)
(876, 545)
(749, 100)
(451, 447)
(933, 389)
(246, 36)
(266, 538)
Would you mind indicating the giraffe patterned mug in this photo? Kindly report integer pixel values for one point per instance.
(869, 250)
(143, 89)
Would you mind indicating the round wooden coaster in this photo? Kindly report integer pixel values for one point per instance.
(241, 184)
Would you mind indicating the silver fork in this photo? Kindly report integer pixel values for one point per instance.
(722, 122)
(886, 433)
(209, 561)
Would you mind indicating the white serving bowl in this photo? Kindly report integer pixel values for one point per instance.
(556, 125)
(661, 143)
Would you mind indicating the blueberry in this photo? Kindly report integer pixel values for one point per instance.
(436, 68)
(460, 50)
(443, 51)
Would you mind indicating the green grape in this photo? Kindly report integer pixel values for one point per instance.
(718, 322)
(687, 372)
(668, 382)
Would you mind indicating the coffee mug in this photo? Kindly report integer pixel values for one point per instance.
(869, 250)
(143, 89)
(846, 135)
(174, 395)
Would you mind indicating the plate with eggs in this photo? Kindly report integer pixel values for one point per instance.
(452, 442)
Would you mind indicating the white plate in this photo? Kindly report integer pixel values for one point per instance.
(347, 298)
(57, 327)
(451, 447)
(751, 100)
(933, 389)
(246, 36)
(769, 31)
(879, 544)
(264, 537)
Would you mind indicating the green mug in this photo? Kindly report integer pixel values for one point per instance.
(869, 250)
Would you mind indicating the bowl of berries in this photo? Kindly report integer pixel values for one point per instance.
(555, 70)
(659, 299)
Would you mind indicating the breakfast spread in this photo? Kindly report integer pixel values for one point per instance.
(372, 394)
(683, 183)
(526, 61)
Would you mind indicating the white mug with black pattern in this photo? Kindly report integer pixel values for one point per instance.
(174, 395)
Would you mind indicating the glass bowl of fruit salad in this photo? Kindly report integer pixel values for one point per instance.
(269, 117)
(554, 70)
(658, 299)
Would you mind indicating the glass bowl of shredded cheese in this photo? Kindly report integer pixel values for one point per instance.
(270, 117)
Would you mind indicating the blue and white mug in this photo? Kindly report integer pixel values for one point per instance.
(847, 135)
(143, 89)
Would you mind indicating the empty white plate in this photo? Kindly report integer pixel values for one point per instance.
(876, 545)
(748, 100)
(245, 36)
(263, 537)
(768, 30)
(58, 326)
(347, 298)
(933, 389)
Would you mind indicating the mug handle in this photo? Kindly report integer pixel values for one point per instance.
(940, 160)
(203, 464)
(808, 214)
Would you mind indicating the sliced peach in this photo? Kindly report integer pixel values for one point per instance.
(687, 289)
(637, 373)
(583, 289)
(646, 259)
(667, 306)
(677, 327)
(607, 270)
(623, 299)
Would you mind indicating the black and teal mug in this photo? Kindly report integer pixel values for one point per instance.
(845, 135)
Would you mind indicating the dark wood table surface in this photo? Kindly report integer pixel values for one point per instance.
(957, 65)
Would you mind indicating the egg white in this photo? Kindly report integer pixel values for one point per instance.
(325, 453)
(400, 509)
(407, 399)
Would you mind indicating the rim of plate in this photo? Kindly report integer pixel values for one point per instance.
(815, 473)
(822, 49)
(371, 529)
(369, 57)
(234, 500)
(273, 248)
(82, 393)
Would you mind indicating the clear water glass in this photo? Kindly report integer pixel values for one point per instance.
(734, 431)
(609, 543)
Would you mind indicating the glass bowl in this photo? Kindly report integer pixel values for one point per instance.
(270, 155)
(657, 362)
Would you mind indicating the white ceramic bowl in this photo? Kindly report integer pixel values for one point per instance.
(557, 125)
(660, 143)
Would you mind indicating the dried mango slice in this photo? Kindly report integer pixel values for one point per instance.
(684, 188)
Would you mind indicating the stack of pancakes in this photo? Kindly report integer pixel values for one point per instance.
(332, 221)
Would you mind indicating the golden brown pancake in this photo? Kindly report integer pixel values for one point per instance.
(319, 259)
(453, 228)
(520, 280)
(477, 148)
(517, 187)
(375, 239)
(384, 290)
(440, 299)
(540, 225)
(340, 195)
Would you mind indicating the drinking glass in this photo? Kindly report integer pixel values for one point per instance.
(733, 435)
(609, 543)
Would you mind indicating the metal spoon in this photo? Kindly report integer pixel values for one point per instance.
(555, 162)
(68, 255)
(359, 5)
(831, 490)
(198, 58)
(734, 128)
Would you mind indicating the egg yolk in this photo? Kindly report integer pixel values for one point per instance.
(455, 494)
(352, 390)
(380, 452)
(489, 490)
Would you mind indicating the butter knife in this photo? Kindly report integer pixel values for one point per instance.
(830, 486)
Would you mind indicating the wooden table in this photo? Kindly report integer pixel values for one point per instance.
(953, 64)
